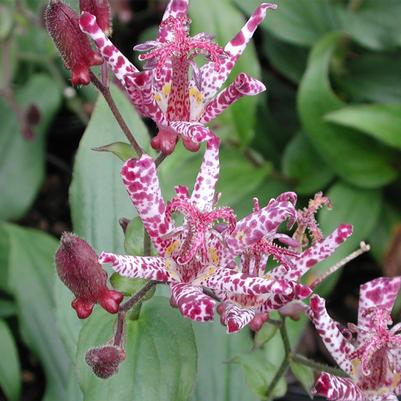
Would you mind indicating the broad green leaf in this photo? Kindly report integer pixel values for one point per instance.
(287, 59)
(22, 162)
(129, 286)
(355, 158)
(303, 163)
(133, 242)
(304, 374)
(160, 362)
(4, 255)
(223, 20)
(32, 279)
(10, 376)
(375, 25)
(362, 81)
(264, 335)
(356, 206)
(259, 373)
(97, 196)
(7, 308)
(381, 121)
(217, 378)
(300, 22)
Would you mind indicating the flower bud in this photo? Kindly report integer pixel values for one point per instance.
(293, 310)
(101, 10)
(105, 360)
(78, 268)
(258, 321)
(76, 51)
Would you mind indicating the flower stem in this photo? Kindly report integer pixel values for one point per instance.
(317, 366)
(120, 120)
(286, 361)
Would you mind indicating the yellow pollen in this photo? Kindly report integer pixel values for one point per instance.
(172, 248)
(193, 92)
(356, 363)
(157, 97)
(213, 254)
(268, 277)
(166, 89)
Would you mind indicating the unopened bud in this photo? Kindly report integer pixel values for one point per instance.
(76, 51)
(101, 10)
(78, 268)
(105, 361)
(258, 321)
(293, 310)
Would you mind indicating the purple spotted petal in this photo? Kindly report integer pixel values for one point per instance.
(174, 9)
(192, 131)
(213, 79)
(148, 267)
(203, 194)
(379, 293)
(339, 389)
(192, 302)
(142, 183)
(339, 347)
(236, 318)
(315, 254)
(244, 85)
(261, 223)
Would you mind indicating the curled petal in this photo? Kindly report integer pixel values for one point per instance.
(315, 254)
(236, 318)
(192, 131)
(192, 302)
(148, 267)
(234, 48)
(379, 293)
(203, 194)
(244, 85)
(142, 183)
(239, 283)
(339, 347)
(263, 222)
(338, 388)
(174, 9)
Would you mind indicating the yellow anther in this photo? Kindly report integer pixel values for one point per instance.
(356, 363)
(213, 254)
(166, 89)
(172, 248)
(268, 277)
(194, 92)
(158, 98)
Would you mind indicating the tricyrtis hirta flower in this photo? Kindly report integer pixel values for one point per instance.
(294, 261)
(195, 254)
(370, 352)
(73, 45)
(179, 102)
(79, 269)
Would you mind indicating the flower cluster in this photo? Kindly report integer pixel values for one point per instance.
(203, 252)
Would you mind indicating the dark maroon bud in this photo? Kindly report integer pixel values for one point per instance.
(78, 268)
(220, 308)
(76, 51)
(258, 321)
(124, 223)
(101, 10)
(293, 310)
(32, 114)
(105, 360)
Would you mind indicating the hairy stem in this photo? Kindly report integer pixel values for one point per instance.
(321, 367)
(121, 122)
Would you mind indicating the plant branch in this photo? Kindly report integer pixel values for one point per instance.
(317, 365)
(121, 122)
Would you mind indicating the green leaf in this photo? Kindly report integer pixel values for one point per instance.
(356, 206)
(6, 21)
(381, 121)
(133, 242)
(160, 362)
(218, 379)
(259, 373)
(264, 335)
(223, 20)
(122, 150)
(97, 196)
(4, 255)
(375, 25)
(22, 162)
(301, 162)
(304, 374)
(7, 308)
(32, 279)
(10, 376)
(287, 59)
(356, 159)
(362, 81)
(300, 22)
(129, 286)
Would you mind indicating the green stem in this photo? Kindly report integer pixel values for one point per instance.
(317, 365)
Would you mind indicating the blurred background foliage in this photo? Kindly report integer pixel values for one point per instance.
(330, 121)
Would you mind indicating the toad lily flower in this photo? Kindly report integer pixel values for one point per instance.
(164, 91)
(238, 311)
(193, 255)
(372, 358)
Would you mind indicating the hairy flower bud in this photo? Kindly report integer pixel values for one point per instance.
(101, 10)
(105, 360)
(76, 51)
(258, 321)
(78, 268)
